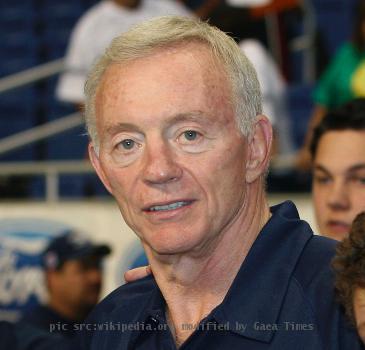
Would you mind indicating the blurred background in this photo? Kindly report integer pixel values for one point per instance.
(44, 170)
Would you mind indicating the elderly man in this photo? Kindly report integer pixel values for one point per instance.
(173, 109)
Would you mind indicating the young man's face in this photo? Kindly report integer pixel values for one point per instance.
(170, 149)
(339, 181)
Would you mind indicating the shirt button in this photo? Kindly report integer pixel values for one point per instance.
(154, 320)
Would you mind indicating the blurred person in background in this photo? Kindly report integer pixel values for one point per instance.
(94, 31)
(202, 8)
(73, 276)
(338, 154)
(349, 265)
(273, 88)
(342, 81)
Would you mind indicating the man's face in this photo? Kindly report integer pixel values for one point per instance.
(170, 150)
(339, 181)
(78, 283)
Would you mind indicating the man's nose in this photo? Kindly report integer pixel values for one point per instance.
(338, 197)
(159, 164)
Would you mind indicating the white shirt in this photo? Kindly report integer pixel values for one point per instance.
(94, 32)
(273, 89)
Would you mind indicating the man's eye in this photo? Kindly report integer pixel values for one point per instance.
(127, 144)
(321, 179)
(190, 135)
(358, 179)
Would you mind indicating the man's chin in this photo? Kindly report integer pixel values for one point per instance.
(165, 252)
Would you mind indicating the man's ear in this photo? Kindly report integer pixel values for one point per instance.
(48, 279)
(259, 148)
(95, 161)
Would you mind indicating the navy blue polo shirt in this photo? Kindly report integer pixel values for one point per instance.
(282, 298)
(48, 320)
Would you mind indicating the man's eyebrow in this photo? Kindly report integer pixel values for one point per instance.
(115, 128)
(194, 116)
(318, 167)
(356, 167)
(352, 169)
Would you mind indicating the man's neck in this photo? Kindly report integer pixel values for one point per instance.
(66, 311)
(193, 286)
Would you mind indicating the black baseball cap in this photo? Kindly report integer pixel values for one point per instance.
(71, 246)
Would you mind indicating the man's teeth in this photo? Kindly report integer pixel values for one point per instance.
(168, 206)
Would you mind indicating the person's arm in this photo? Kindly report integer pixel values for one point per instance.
(324, 95)
(359, 311)
(303, 160)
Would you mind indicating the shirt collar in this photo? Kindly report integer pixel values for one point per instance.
(147, 307)
(258, 291)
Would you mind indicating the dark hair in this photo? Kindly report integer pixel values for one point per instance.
(350, 116)
(349, 265)
(358, 35)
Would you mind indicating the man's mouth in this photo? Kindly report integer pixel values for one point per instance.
(338, 226)
(337, 222)
(169, 206)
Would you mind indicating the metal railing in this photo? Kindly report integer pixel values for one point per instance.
(39, 133)
(31, 75)
(50, 169)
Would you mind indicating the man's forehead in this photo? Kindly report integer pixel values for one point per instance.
(343, 141)
(340, 151)
(185, 84)
(199, 51)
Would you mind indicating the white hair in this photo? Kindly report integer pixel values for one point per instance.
(164, 32)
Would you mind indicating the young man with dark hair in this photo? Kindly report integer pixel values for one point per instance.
(338, 154)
